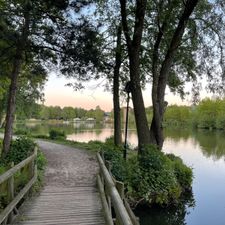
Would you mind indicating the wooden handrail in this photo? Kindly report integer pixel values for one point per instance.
(7, 213)
(114, 197)
(16, 168)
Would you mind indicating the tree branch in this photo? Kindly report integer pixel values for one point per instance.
(176, 39)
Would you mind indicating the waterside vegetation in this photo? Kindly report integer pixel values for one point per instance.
(20, 149)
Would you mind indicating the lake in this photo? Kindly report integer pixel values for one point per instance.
(203, 150)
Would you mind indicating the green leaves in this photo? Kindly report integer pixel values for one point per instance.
(20, 149)
(152, 176)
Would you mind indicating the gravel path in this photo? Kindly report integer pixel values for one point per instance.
(68, 166)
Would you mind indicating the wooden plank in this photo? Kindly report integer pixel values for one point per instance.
(64, 206)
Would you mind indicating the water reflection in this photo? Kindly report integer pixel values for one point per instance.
(175, 215)
(212, 143)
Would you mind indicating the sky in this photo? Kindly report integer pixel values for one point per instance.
(56, 93)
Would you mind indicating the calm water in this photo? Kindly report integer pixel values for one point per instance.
(203, 150)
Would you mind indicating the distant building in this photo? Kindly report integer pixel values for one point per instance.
(76, 119)
(90, 119)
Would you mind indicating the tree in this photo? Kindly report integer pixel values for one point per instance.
(178, 45)
(133, 42)
(98, 114)
(68, 113)
(17, 23)
(32, 31)
(161, 73)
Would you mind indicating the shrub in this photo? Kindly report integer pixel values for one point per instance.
(183, 173)
(21, 132)
(20, 149)
(114, 156)
(152, 178)
(55, 134)
(41, 136)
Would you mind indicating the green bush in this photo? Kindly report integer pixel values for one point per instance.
(183, 173)
(21, 132)
(152, 178)
(55, 134)
(114, 156)
(20, 149)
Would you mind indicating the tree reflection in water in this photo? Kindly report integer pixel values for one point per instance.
(173, 215)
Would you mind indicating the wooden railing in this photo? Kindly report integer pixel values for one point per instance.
(112, 197)
(8, 213)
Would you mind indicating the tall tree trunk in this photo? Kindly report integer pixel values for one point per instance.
(138, 102)
(160, 78)
(16, 67)
(116, 84)
(11, 104)
(133, 45)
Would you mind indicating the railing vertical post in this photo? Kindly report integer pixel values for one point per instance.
(11, 192)
(120, 189)
(32, 164)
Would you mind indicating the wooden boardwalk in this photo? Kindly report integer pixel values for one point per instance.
(78, 205)
(70, 195)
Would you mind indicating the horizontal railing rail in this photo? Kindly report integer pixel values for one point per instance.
(7, 214)
(112, 196)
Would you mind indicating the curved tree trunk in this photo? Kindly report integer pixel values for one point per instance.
(160, 78)
(11, 104)
(116, 98)
(16, 67)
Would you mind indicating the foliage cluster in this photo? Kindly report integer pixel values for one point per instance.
(177, 116)
(209, 114)
(151, 178)
(113, 155)
(21, 148)
(56, 134)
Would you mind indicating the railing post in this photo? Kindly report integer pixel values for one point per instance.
(32, 164)
(120, 188)
(11, 192)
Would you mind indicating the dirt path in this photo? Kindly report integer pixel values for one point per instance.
(68, 166)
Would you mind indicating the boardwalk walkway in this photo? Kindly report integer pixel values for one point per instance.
(70, 195)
